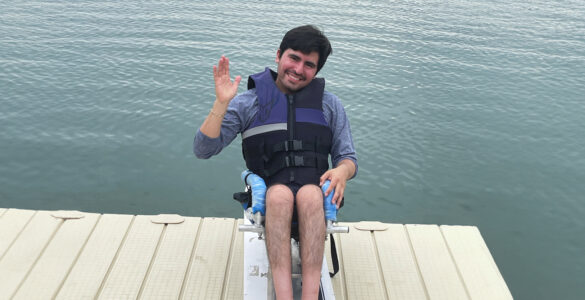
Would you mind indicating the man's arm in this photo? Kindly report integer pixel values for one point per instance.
(216, 131)
(343, 154)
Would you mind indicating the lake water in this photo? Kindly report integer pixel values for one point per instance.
(463, 112)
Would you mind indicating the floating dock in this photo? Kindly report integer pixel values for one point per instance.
(74, 255)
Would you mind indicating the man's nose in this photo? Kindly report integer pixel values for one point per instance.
(299, 68)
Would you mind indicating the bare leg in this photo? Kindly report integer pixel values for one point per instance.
(312, 237)
(279, 210)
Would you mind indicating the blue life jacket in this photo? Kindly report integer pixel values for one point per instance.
(289, 140)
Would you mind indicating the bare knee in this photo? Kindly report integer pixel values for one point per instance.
(310, 197)
(279, 195)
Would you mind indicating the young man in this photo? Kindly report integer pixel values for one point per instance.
(289, 125)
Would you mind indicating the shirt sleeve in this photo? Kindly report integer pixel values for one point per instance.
(235, 119)
(342, 147)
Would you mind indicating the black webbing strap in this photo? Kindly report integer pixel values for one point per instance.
(334, 258)
(299, 145)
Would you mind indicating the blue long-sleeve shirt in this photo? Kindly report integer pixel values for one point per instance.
(244, 107)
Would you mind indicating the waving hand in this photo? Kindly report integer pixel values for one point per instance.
(225, 88)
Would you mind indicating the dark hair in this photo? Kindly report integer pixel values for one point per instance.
(307, 39)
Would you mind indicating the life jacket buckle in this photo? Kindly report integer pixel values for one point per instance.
(293, 145)
(298, 145)
(299, 161)
(294, 161)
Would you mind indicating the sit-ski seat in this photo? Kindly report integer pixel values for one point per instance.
(257, 276)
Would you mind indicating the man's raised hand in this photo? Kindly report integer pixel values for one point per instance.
(225, 89)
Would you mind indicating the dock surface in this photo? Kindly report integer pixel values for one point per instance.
(73, 255)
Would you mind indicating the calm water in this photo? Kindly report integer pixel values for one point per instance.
(463, 112)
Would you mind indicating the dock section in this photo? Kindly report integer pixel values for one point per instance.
(74, 255)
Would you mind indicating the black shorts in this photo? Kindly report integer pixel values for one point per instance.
(294, 188)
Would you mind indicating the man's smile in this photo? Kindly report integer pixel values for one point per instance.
(294, 77)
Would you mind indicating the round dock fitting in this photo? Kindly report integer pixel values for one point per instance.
(167, 219)
(67, 214)
(371, 226)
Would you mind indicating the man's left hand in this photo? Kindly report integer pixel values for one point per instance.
(338, 177)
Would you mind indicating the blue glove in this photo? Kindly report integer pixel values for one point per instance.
(258, 191)
(330, 208)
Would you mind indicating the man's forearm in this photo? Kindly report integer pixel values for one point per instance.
(211, 126)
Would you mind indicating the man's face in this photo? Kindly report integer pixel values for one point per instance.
(295, 70)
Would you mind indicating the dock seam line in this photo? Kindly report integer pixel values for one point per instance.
(422, 280)
(17, 235)
(100, 289)
(37, 259)
(342, 265)
(229, 260)
(58, 290)
(455, 263)
(379, 265)
(187, 271)
(152, 259)
(4, 212)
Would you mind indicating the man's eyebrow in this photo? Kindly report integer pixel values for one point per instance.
(308, 63)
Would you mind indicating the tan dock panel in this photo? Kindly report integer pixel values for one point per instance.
(49, 272)
(475, 263)
(361, 269)
(172, 259)
(437, 268)
(23, 253)
(235, 272)
(130, 267)
(91, 267)
(205, 279)
(2, 211)
(399, 267)
(11, 224)
(127, 257)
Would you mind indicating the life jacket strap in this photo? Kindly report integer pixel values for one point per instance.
(300, 145)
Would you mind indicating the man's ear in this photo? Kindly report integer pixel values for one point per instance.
(277, 59)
